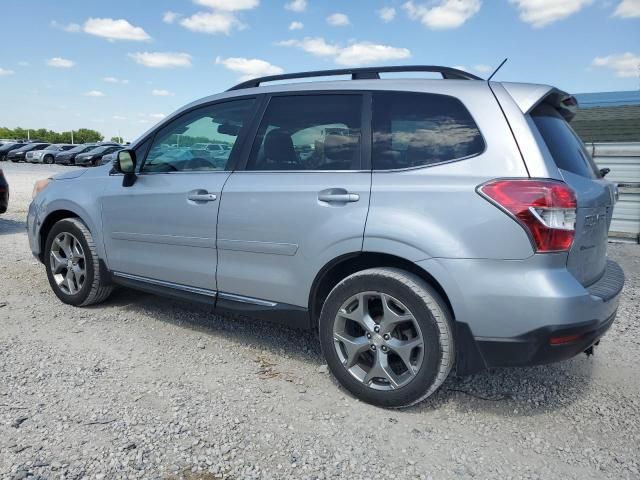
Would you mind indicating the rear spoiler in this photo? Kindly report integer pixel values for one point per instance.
(528, 96)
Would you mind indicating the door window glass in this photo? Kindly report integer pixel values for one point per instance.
(416, 129)
(184, 144)
(309, 132)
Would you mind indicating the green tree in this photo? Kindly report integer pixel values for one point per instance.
(83, 135)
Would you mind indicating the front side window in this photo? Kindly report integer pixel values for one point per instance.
(309, 132)
(183, 145)
(418, 129)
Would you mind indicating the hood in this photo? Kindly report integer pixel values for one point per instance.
(70, 175)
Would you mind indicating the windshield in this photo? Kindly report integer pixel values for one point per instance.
(52, 147)
(565, 146)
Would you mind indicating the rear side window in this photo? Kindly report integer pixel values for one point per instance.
(564, 144)
(418, 129)
(309, 132)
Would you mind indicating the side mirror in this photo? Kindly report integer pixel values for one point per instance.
(125, 162)
(604, 171)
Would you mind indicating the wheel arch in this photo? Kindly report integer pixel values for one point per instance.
(60, 212)
(345, 265)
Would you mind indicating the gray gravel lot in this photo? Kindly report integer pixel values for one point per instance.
(145, 387)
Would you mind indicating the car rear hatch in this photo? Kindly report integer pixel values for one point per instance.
(595, 196)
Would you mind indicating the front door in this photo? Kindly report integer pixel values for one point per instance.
(163, 228)
(301, 201)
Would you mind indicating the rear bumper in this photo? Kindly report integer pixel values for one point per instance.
(537, 347)
(62, 160)
(508, 312)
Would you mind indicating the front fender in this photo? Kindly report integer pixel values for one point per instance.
(59, 198)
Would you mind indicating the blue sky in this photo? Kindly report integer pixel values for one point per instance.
(119, 66)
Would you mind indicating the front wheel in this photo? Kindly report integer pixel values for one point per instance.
(72, 264)
(48, 159)
(387, 337)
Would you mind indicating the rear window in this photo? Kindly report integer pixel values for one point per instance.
(418, 129)
(565, 146)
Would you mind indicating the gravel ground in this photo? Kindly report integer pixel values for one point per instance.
(144, 387)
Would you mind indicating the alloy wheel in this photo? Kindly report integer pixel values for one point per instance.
(378, 340)
(68, 263)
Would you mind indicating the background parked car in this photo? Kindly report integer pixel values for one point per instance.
(47, 155)
(4, 193)
(7, 147)
(69, 157)
(94, 157)
(19, 154)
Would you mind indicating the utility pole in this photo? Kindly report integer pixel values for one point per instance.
(72, 138)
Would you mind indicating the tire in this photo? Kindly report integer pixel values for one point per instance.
(407, 296)
(90, 288)
(48, 159)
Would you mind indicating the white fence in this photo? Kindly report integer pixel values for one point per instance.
(624, 161)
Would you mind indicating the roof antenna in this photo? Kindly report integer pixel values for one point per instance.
(496, 70)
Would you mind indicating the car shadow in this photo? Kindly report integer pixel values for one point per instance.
(298, 344)
(505, 392)
(9, 227)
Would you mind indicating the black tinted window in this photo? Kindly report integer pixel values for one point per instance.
(565, 146)
(416, 129)
(309, 132)
(182, 145)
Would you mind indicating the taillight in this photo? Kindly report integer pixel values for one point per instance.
(546, 209)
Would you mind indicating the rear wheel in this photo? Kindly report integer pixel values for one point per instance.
(72, 265)
(48, 159)
(387, 337)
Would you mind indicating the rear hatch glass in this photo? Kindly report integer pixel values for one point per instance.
(587, 257)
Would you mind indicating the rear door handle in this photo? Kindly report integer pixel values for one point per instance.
(337, 195)
(202, 197)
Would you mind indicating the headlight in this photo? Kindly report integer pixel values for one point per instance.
(89, 157)
(40, 185)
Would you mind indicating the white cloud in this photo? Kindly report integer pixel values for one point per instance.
(625, 65)
(162, 59)
(170, 17)
(59, 62)
(482, 68)
(121, 81)
(296, 5)
(4, 72)
(359, 53)
(540, 13)
(161, 92)
(338, 20)
(446, 14)
(157, 116)
(119, 117)
(387, 14)
(216, 22)
(94, 93)
(249, 67)
(114, 29)
(69, 27)
(296, 26)
(628, 9)
(365, 52)
(315, 46)
(460, 67)
(229, 5)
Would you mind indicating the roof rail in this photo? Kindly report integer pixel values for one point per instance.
(367, 73)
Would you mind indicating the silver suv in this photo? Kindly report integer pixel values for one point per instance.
(418, 225)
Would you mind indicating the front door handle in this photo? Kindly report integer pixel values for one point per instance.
(337, 195)
(201, 196)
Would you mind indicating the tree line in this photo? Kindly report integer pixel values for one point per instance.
(82, 135)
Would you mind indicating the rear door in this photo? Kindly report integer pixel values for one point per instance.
(594, 194)
(301, 201)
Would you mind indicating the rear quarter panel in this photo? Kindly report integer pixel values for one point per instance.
(435, 211)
